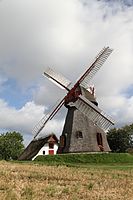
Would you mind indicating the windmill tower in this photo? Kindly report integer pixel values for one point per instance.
(85, 125)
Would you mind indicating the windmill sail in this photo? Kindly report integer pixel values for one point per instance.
(57, 78)
(41, 124)
(82, 104)
(95, 66)
(94, 113)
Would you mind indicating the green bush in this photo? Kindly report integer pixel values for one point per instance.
(11, 145)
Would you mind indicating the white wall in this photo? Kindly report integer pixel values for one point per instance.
(46, 149)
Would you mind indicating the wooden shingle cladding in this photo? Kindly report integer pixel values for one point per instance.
(80, 134)
(88, 95)
(35, 145)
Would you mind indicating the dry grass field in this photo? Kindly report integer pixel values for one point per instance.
(41, 182)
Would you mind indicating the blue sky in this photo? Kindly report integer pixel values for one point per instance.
(65, 35)
(14, 95)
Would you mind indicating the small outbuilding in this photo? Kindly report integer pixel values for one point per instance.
(47, 145)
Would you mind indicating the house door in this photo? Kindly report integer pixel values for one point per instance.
(51, 152)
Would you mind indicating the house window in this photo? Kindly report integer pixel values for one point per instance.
(51, 145)
(43, 152)
(79, 134)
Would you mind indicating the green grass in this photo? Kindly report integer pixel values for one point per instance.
(110, 159)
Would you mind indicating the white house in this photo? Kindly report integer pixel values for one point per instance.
(47, 145)
(49, 148)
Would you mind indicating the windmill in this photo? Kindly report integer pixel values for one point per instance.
(86, 124)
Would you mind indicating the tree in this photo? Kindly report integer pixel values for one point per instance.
(11, 145)
(120, 139)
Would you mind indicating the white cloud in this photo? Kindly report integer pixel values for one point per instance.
(24, 119)
(65, 35)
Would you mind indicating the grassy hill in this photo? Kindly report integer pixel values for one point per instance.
(85, 159)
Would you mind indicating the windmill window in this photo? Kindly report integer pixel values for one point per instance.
(79, 134)
(51, 145)
(62, 140)
(43, 152)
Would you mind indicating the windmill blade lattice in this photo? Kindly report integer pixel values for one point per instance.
(95, 114)
(41, 124)
(80, 102)
(57, 78)
(95, 66)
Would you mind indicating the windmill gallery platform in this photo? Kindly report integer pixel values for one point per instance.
(86, 124)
